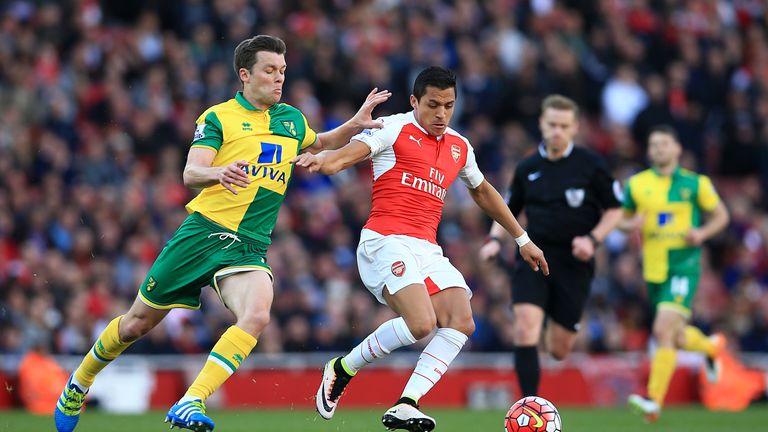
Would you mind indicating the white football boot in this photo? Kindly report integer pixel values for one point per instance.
(648, 408)
(331, 389)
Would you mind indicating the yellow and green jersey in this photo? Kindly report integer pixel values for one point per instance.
(671, 206)
(268, 140)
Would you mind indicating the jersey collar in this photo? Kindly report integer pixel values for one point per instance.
(244, 102)
(659, 174)
(566, 153)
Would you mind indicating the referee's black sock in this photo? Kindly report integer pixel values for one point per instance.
(527, 368)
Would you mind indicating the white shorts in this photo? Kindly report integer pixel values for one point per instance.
(396, 261)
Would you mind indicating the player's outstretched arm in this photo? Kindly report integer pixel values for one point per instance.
(198, 173)
(332, 161)
(363, 119)
(493, 205)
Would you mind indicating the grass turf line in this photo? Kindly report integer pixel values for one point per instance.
(677, 419)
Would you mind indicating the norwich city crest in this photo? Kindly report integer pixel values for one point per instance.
(290, 127)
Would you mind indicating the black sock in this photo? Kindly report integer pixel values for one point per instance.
(527, 368)
(339, 369)
(408, 401)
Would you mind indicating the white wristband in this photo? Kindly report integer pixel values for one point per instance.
(523, 239)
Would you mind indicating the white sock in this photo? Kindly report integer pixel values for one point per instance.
(80, 386)
(188, 399)
(434, 362)
(390, 336)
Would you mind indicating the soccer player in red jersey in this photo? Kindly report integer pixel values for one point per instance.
(415, 156)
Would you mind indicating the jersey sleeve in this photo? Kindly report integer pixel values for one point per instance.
(208, 131)
(607, 190)
(516, 193)
(708, 198)
(310, 136)
(379, 140)
(628, 203)
(470, 174)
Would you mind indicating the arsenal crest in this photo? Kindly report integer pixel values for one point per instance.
(455, 152)
(398, 268)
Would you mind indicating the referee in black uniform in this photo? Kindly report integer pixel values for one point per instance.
(571, 202)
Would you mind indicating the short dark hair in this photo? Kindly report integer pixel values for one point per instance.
(560, 102)
(664, 129)
(245, 53)
(434, 76)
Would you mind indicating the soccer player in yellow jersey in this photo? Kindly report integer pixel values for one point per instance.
(240, 158)
(666, 203)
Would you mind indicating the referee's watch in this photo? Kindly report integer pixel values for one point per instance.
(595, 241)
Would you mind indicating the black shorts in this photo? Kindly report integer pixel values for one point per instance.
(563, 293)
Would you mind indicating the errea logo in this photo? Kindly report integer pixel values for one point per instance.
(237, 358)
(247, 127)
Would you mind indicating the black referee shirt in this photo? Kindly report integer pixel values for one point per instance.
(563, 198)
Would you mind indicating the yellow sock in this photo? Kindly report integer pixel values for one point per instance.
(697, 341)
(107, 347)
(233, 347)
(662, 368)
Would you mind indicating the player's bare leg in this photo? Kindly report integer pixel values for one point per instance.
(414, 305)
(559, 340)
(249, 296)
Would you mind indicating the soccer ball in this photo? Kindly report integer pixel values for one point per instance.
(532, 414)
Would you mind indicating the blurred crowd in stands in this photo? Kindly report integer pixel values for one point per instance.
(98, 102)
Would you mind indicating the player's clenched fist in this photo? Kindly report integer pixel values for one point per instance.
(534, 257)
(234, 175)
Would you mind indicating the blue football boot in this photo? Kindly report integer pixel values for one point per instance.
(69, 406)
(189, 415)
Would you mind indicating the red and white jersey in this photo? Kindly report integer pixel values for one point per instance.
(411, 175)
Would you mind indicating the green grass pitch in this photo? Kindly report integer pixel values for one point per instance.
(682, 419)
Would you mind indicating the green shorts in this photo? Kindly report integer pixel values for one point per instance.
(200, 253)
(676, 293)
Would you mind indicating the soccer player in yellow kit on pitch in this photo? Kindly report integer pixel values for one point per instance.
(666, 203)
(241, 159)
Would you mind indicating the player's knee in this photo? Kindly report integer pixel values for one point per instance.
(463, 323)
(134, 327)
(559, 352)
(680, 339)
(525, 334)
(254, 321)
(664, 336)
(466, 326)
(421, 328)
